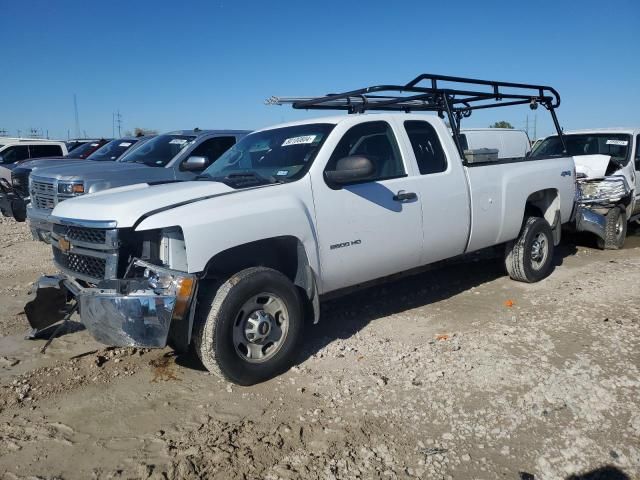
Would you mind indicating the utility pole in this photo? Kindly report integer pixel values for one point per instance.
(535, 126)
(527, 128)
(119, 122)
(113, 125)
(75, 109)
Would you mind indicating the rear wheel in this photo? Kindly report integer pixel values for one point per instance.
(529, 257)
(248, 329)
(615, 230)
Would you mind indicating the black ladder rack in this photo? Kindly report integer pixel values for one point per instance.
(457, 103)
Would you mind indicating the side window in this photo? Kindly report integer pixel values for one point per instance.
(15, 154)
(638, 152)
(38, 151)
(213, 148)
(376, 141)
(426, 146)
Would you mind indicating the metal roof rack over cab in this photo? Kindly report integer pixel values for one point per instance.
(458, 97)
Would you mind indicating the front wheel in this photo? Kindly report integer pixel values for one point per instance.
(615, 230)
(529, 257)
(248, 329)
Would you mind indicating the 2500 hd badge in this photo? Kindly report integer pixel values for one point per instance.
(345, 244)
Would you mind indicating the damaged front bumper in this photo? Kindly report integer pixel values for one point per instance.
(138, 311)
(594, 199)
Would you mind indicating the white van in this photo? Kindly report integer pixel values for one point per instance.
(510, 143)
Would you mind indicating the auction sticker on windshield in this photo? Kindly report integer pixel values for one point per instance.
(299, 140)
(178, 141)
(622, 143)
(125, 144)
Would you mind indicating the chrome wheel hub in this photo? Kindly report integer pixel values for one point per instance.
(260, 327)
(539, 251)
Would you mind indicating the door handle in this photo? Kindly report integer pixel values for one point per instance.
(403, 196)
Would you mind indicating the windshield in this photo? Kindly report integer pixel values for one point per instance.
(158, 151)
(111, 151)
(612, 144)
(83, 150)
(276, 155)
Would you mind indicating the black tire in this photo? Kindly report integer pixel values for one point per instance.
(615, 230)
(523, 261)
(218, 315)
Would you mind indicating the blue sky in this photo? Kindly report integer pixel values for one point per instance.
(211, 64)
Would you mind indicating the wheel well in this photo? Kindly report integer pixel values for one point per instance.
(285, 254)
(543, 203)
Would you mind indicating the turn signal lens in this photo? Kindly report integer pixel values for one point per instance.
(77, 188)
(184, 293)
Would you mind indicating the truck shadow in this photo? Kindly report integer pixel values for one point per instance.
(345, 316)
(608, 472)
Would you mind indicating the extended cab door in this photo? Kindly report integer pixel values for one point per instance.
(366, 230)
(442, 189)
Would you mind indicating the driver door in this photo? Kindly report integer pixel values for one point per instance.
(365, 230)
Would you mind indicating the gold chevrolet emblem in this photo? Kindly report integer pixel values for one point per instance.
(64, 244)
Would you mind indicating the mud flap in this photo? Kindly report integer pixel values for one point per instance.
(47, 303)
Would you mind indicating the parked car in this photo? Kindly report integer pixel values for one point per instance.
(76, 142)
(14, 198)
(179, 155)
(608, 171)
(15, 151)
(509, 142)
(292, 213)
(41, 150)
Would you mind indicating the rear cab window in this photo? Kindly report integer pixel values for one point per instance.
(426, 146)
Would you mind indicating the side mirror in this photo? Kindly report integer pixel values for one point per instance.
(355, 168)
(195, 163)
(1, 159)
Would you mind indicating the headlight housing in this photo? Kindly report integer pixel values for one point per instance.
(71, 188)
(606, 190)
(164, 281)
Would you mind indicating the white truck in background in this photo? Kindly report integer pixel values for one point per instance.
(607, 163)
(235, 261)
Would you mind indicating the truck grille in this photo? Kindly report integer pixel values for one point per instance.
(92, 267)
(43, 195)
(81, 234)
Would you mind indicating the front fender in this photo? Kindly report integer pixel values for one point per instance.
(217, 224)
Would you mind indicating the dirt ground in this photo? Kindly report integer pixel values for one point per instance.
(456, 373)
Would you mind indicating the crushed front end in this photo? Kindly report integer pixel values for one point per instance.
(122, 300)
(595, 198)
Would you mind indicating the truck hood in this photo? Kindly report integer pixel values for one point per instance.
(127, 204)
(96, 171)
(592, 166)
(46, 162)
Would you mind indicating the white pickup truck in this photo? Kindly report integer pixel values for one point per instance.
(608, 172)
(235, 261)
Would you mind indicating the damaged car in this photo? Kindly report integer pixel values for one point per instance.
(607, 172)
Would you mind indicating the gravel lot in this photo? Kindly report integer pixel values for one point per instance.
(454, 373)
